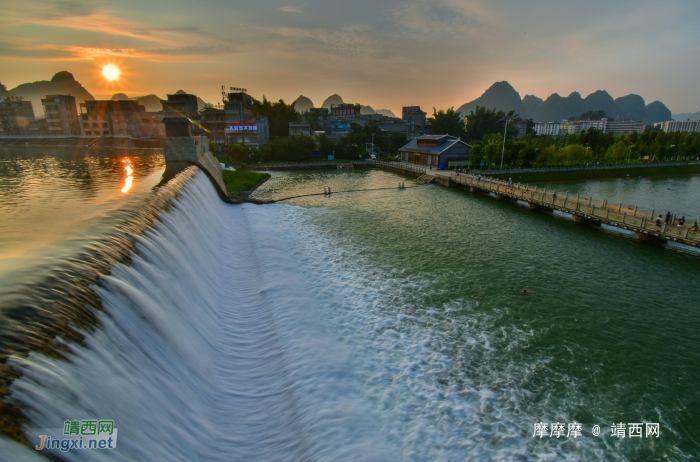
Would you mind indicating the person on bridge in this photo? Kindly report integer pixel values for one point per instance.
(681, 222)
(659, 220)
(695, 225)
(668, 217)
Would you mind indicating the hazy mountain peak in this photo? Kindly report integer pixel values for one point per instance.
(386, 112)
(119, 97)
(500, 95)
(63, 76)
(302, 103)
(333, 99)
(62, 83)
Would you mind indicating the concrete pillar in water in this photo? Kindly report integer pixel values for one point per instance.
(646, 238)
(579, 220)
(537, 207)
(182, 148)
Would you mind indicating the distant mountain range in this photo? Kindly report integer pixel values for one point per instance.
(63, 83)
(503, 96)
(303, 104)
(686, 116)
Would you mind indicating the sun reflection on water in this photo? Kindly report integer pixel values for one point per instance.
(129, 177)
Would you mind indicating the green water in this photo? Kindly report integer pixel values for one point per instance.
(609, 333)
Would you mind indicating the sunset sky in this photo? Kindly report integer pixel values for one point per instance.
(384, 53)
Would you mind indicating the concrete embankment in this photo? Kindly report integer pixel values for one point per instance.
(82, 142)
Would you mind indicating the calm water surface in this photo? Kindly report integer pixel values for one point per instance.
(381, 325)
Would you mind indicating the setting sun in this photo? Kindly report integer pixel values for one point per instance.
(110, 72)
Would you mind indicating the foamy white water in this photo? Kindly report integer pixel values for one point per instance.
(245, 333)
(209, 348)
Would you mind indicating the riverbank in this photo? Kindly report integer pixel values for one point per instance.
(603, 174)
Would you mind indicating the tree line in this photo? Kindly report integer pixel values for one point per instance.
(484, 130)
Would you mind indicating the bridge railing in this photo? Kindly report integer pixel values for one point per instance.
(600, 208)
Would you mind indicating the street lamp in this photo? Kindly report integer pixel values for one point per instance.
(504, 143)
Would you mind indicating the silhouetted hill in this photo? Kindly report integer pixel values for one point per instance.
(531, 103)
(556, 108)
(151, 102)
(303, 104)
(3, 91)
(386, 112)
(333, 99)
(632, 107)
(366, 110)
(657, 112)
(62, 83)
(602, 101)
(500, 95)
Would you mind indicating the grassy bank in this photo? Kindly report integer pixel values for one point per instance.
(242, 180)
(586, 175)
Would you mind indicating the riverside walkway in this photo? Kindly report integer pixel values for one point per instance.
(585, 210)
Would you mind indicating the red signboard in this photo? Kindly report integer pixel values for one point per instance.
(411, 111)
(345, 110)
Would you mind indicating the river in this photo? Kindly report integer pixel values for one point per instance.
(379, 325)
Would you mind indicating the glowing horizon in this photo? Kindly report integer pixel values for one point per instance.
(432, 53)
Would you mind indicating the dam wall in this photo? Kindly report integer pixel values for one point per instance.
(182, 149)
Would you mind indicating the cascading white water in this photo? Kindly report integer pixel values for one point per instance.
(208, 348)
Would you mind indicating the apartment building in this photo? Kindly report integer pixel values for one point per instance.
(683, 126)
(547, 128)
(623, 127)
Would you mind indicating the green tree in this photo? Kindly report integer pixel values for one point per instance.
(482, 122)
(447, 122)
(238, 153)
(617, 151)
(279, 115)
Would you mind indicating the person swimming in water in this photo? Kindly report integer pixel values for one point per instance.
(525, 292)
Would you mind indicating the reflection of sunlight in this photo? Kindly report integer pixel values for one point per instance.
(129, 178)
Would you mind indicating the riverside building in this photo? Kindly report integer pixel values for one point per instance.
(436, 150)
(124, 119)
(574, 127)
(235, 123)
(683, 126)
(61, 115)
(16, 115)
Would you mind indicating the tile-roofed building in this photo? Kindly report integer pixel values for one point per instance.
(436, 150)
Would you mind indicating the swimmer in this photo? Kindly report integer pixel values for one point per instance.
(525, 292)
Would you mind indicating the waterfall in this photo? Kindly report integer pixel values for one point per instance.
(207, 349)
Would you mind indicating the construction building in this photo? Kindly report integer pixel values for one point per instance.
(61, 115)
